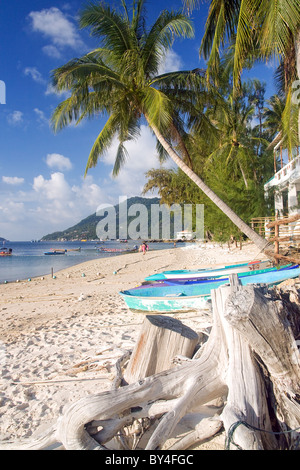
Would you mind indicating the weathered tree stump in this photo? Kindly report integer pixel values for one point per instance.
(250, 357)
(161, 339)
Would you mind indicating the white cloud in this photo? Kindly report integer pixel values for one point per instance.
(52, 91)
(11, 212)
(15, 118)
(34, 74)
(50, 204)
(13, 180)
(171, 63)
(52, 51)
(142, 157)
(55, 160)
(55, 25)
(41, 116)
(56, 188)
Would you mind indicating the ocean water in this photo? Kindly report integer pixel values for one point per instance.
(28, 259)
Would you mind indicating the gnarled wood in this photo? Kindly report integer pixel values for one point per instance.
(250, 351)
(161, 339)
(264, 325)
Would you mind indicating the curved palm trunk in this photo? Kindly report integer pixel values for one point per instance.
(297, 49)
(260, 242)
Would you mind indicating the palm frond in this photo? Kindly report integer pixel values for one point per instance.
(103, 141)
(65, 113)
(120, 160)
(222, 15)
(160, 38)
(281, 19)
(157, 108)
(108, 26)
(244, 38)
(84, 70)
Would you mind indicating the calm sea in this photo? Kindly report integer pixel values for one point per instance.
(28, 259)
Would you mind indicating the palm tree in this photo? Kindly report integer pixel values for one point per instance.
(119, 79)
(260, 29)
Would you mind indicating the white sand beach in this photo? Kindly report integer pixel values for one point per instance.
(59, 338)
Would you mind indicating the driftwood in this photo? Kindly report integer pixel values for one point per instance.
(277, 257)
(160, 340)
(250, 358)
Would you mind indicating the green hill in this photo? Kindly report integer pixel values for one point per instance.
(86, 228)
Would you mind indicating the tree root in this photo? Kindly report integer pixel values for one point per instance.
(250, 337)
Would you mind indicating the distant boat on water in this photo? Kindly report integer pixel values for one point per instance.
(5, 251)
(118, 250)
(55, 252)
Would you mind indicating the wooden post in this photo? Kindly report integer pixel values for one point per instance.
(276, 238)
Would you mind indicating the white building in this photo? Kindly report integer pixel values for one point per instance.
(185, 235)
(286, 186)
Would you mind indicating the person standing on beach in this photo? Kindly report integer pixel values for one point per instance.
(144, 247)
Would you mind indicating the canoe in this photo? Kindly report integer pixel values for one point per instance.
(194, 296)
(197, 280)
(231, 269)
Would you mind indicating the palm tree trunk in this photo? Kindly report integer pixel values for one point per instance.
(244, 176)
(260, 242)
(297, 50)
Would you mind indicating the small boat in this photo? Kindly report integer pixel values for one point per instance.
(195, 296)
(198, 280)
(118, 250)
(230, 269)
(5, 251)
(74, 249)
(55, 252)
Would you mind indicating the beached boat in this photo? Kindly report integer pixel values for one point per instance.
(194, 296)
(5, 251)
(226, 270)
(198, 280)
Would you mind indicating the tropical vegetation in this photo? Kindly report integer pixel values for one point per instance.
(119, 80)
(261, 30)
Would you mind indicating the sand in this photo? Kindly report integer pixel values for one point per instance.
(60, 338)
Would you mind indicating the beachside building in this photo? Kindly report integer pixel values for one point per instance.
(185, 235)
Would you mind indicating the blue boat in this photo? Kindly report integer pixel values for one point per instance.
(194, 296)
(197, 280)
(55, 252)
(226, 270)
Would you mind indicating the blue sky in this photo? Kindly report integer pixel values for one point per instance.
(42, 188)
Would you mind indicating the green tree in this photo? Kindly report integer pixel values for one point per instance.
(119, 79)
(259, 29)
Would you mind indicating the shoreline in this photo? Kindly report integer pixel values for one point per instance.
(51, 329)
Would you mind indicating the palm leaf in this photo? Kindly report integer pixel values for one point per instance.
(160, 38)
(107, 25)
(157, 108)
(120, 160)
(103, 141)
